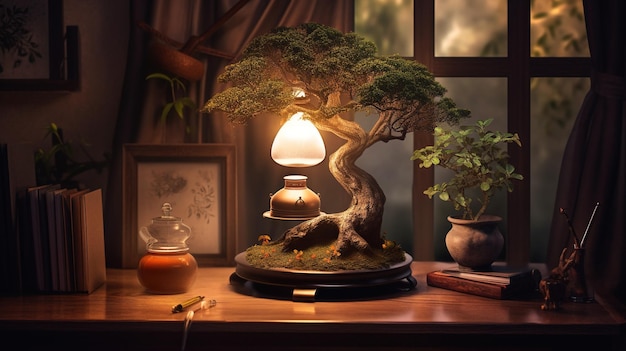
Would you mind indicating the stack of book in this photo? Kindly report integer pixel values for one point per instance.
(52, 238)
(499, 283)
(61, 235)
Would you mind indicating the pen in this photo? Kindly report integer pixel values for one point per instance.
(181, 306)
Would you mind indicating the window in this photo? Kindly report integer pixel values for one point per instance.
(530, 60)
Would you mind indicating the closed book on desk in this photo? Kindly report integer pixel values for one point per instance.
(41, 236)
(88, 227)
(522, 286)
(499, 274)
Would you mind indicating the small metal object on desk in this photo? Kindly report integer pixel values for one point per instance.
(304, 295)
(190, 302)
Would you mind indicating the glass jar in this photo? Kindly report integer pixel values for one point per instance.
(167, 267)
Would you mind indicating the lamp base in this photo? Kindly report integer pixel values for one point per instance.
(268, 214)
(295, 200)
(310, 286)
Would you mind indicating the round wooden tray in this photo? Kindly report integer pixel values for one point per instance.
(306, 285)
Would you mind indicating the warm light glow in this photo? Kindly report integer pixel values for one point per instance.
(298, 93)
(298, 143)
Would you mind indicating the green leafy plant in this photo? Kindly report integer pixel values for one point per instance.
(176, 104)
(478, 160)
(58, 164)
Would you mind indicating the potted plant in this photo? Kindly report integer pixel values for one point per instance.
(480, 168)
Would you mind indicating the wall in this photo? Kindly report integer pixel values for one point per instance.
(90, 113)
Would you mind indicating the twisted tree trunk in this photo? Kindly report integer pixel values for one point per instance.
(359, 226)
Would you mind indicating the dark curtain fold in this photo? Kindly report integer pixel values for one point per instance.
(126, 128)
(593, 169)
(137, 120)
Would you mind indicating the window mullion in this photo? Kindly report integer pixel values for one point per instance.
(560, 66)
(423, 207)
(471, 66)
(518, 107)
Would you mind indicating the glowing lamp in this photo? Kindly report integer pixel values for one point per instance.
(298, 143)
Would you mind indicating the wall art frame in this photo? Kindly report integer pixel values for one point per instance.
(40, 53)
(198, 180)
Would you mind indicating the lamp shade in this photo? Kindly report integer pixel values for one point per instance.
(298, 143)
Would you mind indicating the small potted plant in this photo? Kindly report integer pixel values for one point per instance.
(480, 168)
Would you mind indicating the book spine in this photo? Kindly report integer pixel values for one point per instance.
(494, 291)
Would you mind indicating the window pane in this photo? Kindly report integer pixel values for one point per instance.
(470, 28)
(554, 105)
(388, 23)
(558, 29)
(486, 98)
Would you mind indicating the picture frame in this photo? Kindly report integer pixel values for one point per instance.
(40, 53)
(198, 180)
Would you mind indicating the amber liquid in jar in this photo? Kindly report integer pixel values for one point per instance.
(167, 272)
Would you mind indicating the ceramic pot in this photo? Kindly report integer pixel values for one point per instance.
(474, 245)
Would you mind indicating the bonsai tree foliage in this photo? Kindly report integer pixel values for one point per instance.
(479, 164)
(339, 72)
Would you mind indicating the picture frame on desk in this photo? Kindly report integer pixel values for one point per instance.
(198, 180)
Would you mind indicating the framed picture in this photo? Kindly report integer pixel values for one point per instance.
(33, 51)
(198, 181)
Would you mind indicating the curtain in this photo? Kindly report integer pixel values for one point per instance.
(593, 168)
(138, 121)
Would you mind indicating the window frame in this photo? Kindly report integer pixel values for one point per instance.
(519, 68)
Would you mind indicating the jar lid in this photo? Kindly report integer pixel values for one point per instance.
(166, 233)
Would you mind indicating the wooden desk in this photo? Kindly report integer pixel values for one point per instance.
(120, 316)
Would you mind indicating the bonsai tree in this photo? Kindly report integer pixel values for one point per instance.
(479, 163)
(339, 72)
